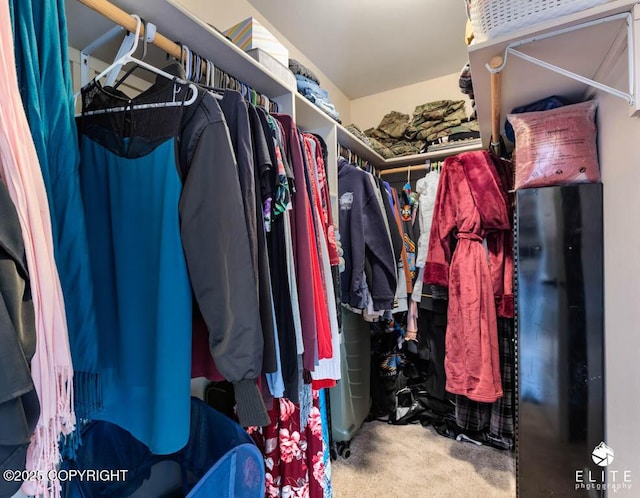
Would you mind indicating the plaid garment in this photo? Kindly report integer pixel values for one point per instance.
(499, 417)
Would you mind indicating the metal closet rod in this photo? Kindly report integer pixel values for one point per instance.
(119, 16)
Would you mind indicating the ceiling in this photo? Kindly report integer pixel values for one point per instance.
(369, 46)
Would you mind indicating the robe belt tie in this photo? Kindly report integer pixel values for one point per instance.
(469, 236)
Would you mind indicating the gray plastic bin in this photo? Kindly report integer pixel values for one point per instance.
(351, 398)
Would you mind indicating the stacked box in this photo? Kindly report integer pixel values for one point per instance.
(250, 34)
(274, 66)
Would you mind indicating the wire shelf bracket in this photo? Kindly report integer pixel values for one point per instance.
(632, 25)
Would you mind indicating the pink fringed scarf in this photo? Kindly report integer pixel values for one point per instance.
(51, 367)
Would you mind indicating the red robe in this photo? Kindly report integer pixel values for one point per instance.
(472, 206)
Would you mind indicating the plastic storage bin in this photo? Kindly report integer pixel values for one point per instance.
(491, 18)
(218, 460)
(350, 400)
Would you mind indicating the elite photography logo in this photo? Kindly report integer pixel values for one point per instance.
(602, 455)
(605, 479)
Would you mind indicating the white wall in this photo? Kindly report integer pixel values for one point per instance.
(620, 164)
(223, 14)
(367, 112)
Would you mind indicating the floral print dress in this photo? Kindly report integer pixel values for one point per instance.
(294, 453)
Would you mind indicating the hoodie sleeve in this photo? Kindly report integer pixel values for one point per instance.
(216, 245)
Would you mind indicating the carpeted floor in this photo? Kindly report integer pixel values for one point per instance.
(415, 462)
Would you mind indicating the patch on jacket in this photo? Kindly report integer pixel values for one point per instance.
(346, 200)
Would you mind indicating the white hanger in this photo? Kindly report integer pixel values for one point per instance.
(212, 73)
(186, 63)
(128, 42)
(128, 57)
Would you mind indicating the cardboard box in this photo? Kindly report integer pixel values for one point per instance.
(250, 34)
(273, 66)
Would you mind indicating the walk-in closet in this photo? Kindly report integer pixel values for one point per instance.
(345, 249)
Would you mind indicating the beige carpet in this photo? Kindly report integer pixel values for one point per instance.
(415, 462)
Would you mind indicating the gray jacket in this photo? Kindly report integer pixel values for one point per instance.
(217, 250)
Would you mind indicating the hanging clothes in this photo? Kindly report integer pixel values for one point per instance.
(42, 63)
(294, 450)
(404, 274)
(302, 241)
(364, 238)
(327, 372)
(276, 244)
(403, 215)
(262, 169)
(326, 427)
(19, 406)
(392, 227)
(496, 420)
(207, 205)
(245, 138)
(131, 190)
(210, 206)
(432, 326)
(236, 115)
(426, 188)
(51, 367)
(285, 188)
(319, 253)
(410, 231)
(264, 165)
(471, 206)
(252, 156)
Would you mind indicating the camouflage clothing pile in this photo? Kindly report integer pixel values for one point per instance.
(356, 132)
(404, 135)
(381, 149)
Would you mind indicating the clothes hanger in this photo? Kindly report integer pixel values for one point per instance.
(127, 58)
(192, 68)
(197, 65)
(125, 47)
(184, 58)
(187, 62)
(198, 73)
(192, 64)
(145, 40)
(210, 73)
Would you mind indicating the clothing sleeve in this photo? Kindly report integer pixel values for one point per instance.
(216, 245)
(380, 255)
(500, 246)
(442, 225)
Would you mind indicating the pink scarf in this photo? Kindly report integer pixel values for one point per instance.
(51, 365)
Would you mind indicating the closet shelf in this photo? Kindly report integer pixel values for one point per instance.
(310, 117)
(175, 21)
(587, 52)
(358, 147)
(415, 159)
